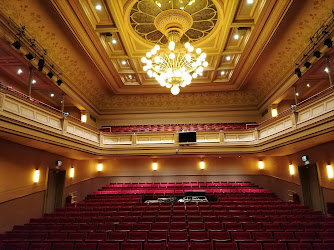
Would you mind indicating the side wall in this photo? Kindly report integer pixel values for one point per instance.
(17, 189)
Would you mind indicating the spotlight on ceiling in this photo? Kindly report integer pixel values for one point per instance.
(317, 54)
(307, 65)
(59, 82)
(98, 7)
(298, 72)
(29, 56)
(328, 42)
(17, 45)
(40, 64)
(50, 74)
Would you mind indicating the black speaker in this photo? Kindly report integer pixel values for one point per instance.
(187, 137)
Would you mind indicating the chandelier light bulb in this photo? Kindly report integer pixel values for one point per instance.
(190, 48)
(198, 51)
(145, 68)
(148, 54)
(172, 56)
(205, 64)
(171, 45)
(153, 51)
(175, 90)
(186, 45)
(195, 75)
(157, 68)
(157, 59)
(203, 55)
(144, 60)
(157, 47)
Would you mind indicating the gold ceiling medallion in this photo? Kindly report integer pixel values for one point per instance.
(201, 15)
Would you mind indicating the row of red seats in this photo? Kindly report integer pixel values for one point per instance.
(177, 127)
(170, 246)
(144, 236)
(180, 184)
(200, 217)
(179, 226)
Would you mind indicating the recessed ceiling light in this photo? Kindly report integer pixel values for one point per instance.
(52, 95)
(250, 1)
(113, 41)
(19, 71)
(123, 62)
(297, 94)
(228, 58)
(98, 7)
(201, 74)
(308, 85)
(159, 4)
(222, 73)
(33, 81)
(130, 76)
(326, 70)
(236, 36)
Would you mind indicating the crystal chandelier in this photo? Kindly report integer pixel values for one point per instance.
(177, 65)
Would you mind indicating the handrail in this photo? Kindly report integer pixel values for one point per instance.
(299, 106)
(20, 95)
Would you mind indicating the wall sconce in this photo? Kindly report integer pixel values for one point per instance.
(274, 112)
(261, 165)
(83, 118)
(155, 166)
(36, 176)
(291, 169)
(202, 165)
(99, 167)
(330, 172)
(72, 172)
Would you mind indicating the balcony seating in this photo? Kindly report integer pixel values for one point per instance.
(251, 218)
(176, 127)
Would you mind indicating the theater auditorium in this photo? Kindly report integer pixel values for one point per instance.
(166, 124)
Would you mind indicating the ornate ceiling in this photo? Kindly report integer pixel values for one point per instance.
(99, 49)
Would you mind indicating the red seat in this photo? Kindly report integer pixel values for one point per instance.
(323, 246)
(76, 237)
(157, 236)
(299, 246)
(250, 246)
(274, 246)
(16, 246)
(145, 227)
(107, 246)
(214, 226)
(62, 246)
(160, 227)
(85, 246)
(307, 237)
(137, 236)
(199, 236)
(196, 226)
(241, 236)
(131, 246)
(252, 227)
(233, 227)
(155, 246)
(220, 236)
(263, 237)
(285, 237)
(117, 236)
(226, 246)
(96, 237)
(178, 246)
(177, 226)
(201, 246)
(178, 236)
(326, 237)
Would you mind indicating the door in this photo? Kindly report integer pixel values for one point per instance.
(55, 189)
(312, 193)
